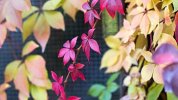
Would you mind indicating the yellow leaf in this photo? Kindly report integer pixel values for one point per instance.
(166, 38)
(42, 34)
(28, 26)
(110, 58)
(143, 42)
(137, 10)
(169, 29)
(145, 25)
(38, 93)
(55, 19)
(157, 77)
(147, 72)
(11, 70)
(154, 19)
(166, 3)
(69, 9)
(113, 42)
(29, 47)
(157, 33)
(127, 80)
(52, 4)
(147, 55)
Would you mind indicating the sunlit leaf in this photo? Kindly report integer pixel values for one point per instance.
(96, 90)
(157, 75)
(70, 9)
(147, 55)
(42, 34)
(29, 47)
(38, 93)
(113, 42)
(154, 19)
(21, 81)
(166, 3)
(11, 70)
(157, 33)
(52, 4)
(28, 26)
(110, 58)
(55, 19)
(144, 25)
(147, 72)
(27, 13)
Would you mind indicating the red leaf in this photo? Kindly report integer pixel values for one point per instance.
(112, 6)
(176, 30)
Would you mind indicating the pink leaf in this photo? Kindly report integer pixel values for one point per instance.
(79, 65)
(3, 33)
(73, 98)
(62, 52)
(94, 45)
(93, 3)
(86, 6)
(66, 58)
(67, 44)
(90, 33)
(72, 54)
(176, 30)
(73, 42)
(54, 76)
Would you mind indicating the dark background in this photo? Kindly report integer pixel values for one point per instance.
(12, 50)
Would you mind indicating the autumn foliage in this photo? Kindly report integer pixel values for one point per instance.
(145, 48)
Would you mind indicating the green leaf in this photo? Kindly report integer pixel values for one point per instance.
(38, 93)
(113, 77)
(171, 96)
(175, 4)
(112, 87)
(106, 95)
(29, 47)
(113, 42)
(11, 70)
(154, 91)
(96, 90)
(52, 4)
(28, 26)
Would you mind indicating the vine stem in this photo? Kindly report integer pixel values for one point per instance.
(78, 51)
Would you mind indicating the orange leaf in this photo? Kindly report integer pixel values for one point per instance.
(21, 81)
(29, 47)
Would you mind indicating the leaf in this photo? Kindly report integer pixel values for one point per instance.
(176, 29)
(144, 25)
(52, 4)
(11, 70)
(166, 38)
(38, 93)
(113, 77)
(147, 72)
(55, 19)
(175, 4)
(42, 34)
(157, 75)
(36, 66)
(136, 20)
(12, 16)
(147, 55)
(29, 12)
(29, 47)
(106, 95)
(154, 92)
(21, 5)
(3, 34)
(28, 26)
(157, 33)
(166, 3)
(113, 42)
(142, 44)
(154, 19)
(21, 81)
(112, 87)
(106, 59)
(69, 9)
(171, 96)
(96, 90)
